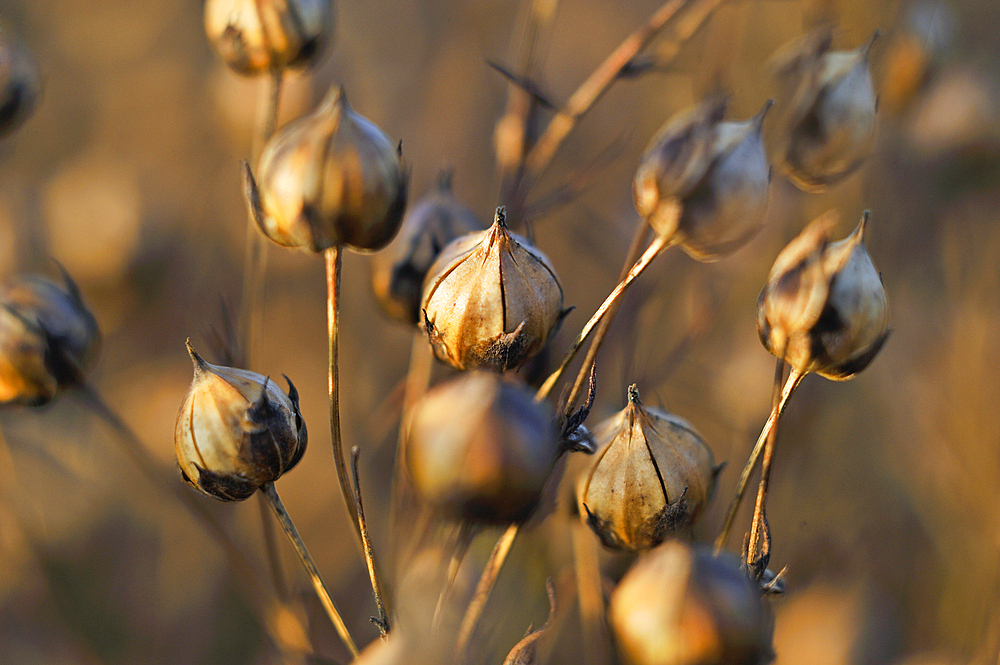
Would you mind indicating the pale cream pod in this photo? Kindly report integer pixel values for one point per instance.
(491, 300)
(652, 477)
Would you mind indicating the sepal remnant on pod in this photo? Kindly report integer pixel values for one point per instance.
(824, 305)
(331, 178)
(481, 448)
(48, 339)
(717, 170)
(236, 430)
(19, 83)
(490, 300)
(832, 116)
(398, 271)
(681, 605)
(260, 36)
(650, 480)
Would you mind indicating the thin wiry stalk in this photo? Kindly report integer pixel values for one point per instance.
(271, 548)
(466, 534)
(791, 383)
(333, 267)
(658, 245)
(482, 594)
(300, 548)
(383, 617)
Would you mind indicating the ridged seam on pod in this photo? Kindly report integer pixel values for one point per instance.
(491, 300)
(718, 170)
(258, 36)
(833, 112)
(824, 303)
(651, 479)
(330, 178)
(398, 271)
(481, 448)
(236, 430)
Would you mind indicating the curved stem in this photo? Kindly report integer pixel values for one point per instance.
(271, 548)
(483, 590)
(333, 265)
(383, 617)
(791, 383)
(300, 548)
(758, 522)
(658, 245)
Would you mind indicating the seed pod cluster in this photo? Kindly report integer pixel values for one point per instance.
(259, 36)
(832, 115)
(717, 170)
(649, 481)
(824, 305)
(19, 84)
(48, 339)
(481, 448)
(236, 430)
(681, 605)
(491, 300)
(398, 271)
(331, 178)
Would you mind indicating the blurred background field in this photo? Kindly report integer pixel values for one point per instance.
(885, 501)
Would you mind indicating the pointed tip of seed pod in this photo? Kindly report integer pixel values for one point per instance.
(633, 395)
(334, 97)
(866, 48)
(862, 225)
(762, 113)
(293, 393)
(199, 362)
(501, 217)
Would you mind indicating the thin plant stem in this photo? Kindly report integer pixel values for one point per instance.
(271, 548)
(383, 617)
(466, 534)
(333, 267)
(483, 589)
(658, 245)
(589, 596)
(300, 548)
(791, 383)
(634, 252)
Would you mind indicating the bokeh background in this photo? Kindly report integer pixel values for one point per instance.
(886, 491)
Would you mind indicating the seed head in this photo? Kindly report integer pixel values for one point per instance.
(236, 430)
(831, 129)
(680, 605)
(398, 272)
(824, 303)
(717, 170)
(19, 84)
(481, 448)
(48, 339)
(651, 479)
(330, 178)
(490, 300)
(259, 36)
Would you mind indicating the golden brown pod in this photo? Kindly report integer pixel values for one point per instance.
(681, 605)
(491, 300)
(398, 271)
(481, 448)
(330, 178)
(259, 36)
(236, 430)
(824, 304)
(717, 170)
(650, 480)
(19, 83)
(48, 339)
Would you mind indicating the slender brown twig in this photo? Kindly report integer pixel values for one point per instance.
(300, 548)
(489, 577)
(333, 266)
(383, 617)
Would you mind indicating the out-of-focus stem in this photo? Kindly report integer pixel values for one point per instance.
(383, 616)
(482, 594)
(300, 548)
(333, 266)
(466, 533)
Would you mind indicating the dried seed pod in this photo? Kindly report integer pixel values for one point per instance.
(481, 448)
(717, 170)
(19, 84)
(236, 430)
(491, 300)
(398, 272)
(680, 605)
(650, 480)
(48, 339)
(330, 178)
(824, 304)
(831, 127)
(258, 36)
